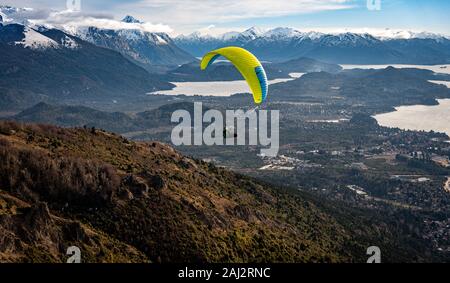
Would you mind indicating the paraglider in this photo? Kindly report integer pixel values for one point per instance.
(247, 64)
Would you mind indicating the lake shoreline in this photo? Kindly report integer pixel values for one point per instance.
(402, 117)
(216, 88)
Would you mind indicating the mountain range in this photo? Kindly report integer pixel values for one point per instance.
(39, 64)
(118, 122)
(224, 71)
(157, 50)
(373, 87)
(146, 48)
(282, 44)
(42, 63)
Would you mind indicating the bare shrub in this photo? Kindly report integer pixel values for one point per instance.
(61, 180)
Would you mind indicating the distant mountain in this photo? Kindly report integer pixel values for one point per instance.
(49, 64)
(305, 65)
(390, 86)
(197, 44)
(151, 50)
(351, 48)
(131, 20)
(431, 50)
(77, 116)
(224, 71)
(221, 71)
(146, 48)
(10, 14)
(282, 44)
(394, 84)
(26, 37)
(81, 116)
(123, 201)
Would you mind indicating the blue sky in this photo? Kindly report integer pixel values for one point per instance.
(184, 16)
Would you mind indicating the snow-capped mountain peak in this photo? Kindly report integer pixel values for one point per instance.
(251, 33)
(196, 35)
(10, 14)
(282, 32)
(143, 46)
(348, 39)
(229, 35)
(404, 34)
(289, 33)
(3, 11)
(131, 20)
(9, 10)
(313, 35)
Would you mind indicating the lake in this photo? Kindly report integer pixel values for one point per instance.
(217, 88)
(419, 117)
(416, 117)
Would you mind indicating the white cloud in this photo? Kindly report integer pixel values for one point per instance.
(191, 12)
(72, 20)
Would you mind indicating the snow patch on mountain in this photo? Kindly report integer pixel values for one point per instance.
(3, 16)
(229, 35)
(196, 35)
(9, 10)
(349, 39)
(34, 40)
(159, 40)
(69, 42)
(131, 34)
(145, 47)
(251, 33)
(10, 14)
(281, 32)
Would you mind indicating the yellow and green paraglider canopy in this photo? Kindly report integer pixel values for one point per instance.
(247, 64)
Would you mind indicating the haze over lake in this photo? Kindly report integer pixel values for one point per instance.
(217, 88)
(419, 117)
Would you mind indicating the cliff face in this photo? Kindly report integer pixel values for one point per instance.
(121, 201)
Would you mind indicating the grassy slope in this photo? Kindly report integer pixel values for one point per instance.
(152, 200)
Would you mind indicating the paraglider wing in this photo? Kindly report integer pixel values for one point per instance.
(247, 64)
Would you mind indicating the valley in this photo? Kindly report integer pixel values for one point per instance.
(87, 157)
(331, 147)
